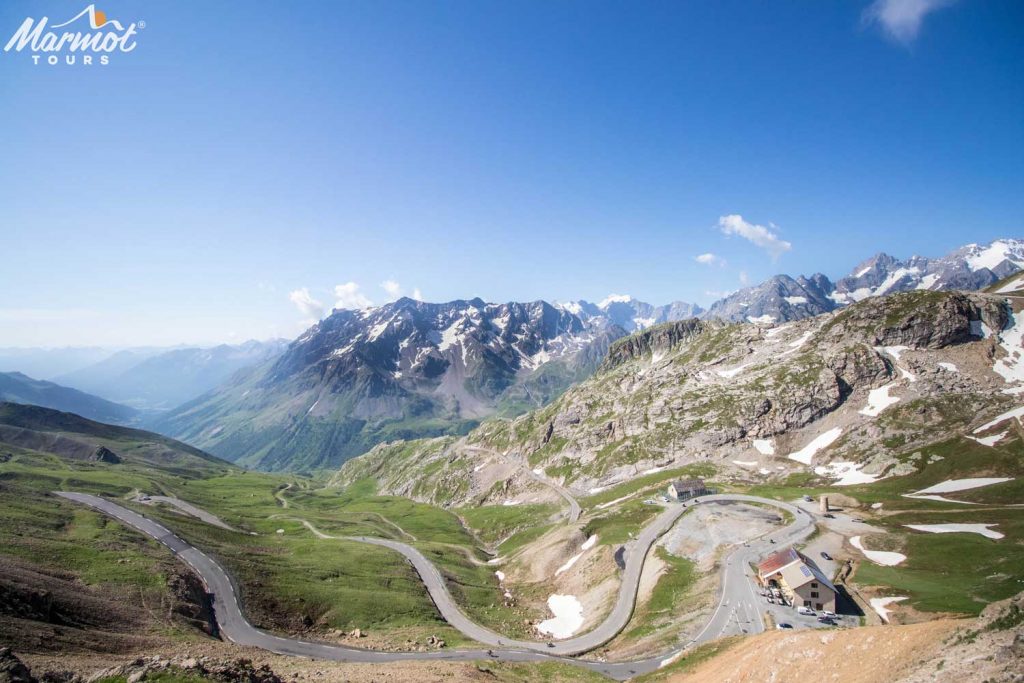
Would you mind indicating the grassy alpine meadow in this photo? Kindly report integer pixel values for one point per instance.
(958, 572)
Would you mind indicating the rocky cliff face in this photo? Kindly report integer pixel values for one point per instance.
(863, 386)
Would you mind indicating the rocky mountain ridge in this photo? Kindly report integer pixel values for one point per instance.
(410, 369)
(847, 396)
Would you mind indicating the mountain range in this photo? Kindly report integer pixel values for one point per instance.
(16, 387)
(410, 369)
(160, 379)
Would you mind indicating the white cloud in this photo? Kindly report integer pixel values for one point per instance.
(416, 294)
(309, 306)
(901, 19)
(710, 259)
(744, 278)
(393, 289)
(350, 297)
(756, 234)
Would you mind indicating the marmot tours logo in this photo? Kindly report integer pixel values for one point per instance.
(90, 38)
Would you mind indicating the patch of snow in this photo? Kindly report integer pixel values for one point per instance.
(876, 506)
(980, 329)
(765, 446)
(807, 453)
(312, 406)
(990, 440)
(949, 367)
(895, 352)
(510, 503)
(538, 471)
(643, 323)
(951, 485)
(846, 474)
(882, 557)
(572, 306)
(927, 281)
(568, 564)
(1008, 415)
(615, 298)
(796, 344)
(745, 463)
(982, 529)
(775, 331)
(568, 616)
(879, 604)
(589, 543)
(761, 319)
(878, 400)
(1011, 286)
(451, 335)
(598, 489)
(1011, 366)
(654, 470)
(795, 300)
(602, 506)
(378, 330)
(732, 373)
(863, 272)
(991, 256)
(941, 499)
(894, 278)
(764, 470)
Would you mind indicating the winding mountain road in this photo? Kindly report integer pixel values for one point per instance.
(737, 605)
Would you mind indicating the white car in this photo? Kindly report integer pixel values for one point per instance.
(806, 611)
(829, 614)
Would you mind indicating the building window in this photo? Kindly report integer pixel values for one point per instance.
(807, 603)
(813, 584)
(814, 594)
(819, 606)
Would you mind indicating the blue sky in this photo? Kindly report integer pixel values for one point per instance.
(244, 152)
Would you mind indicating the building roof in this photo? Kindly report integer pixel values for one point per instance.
(684, 484)
(777, 561)
(795, 567)
(800, 573)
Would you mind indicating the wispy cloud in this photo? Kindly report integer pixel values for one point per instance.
(307, 305)
(901, 19)
(349, 296)
(416, 294)
(756, 234)
(710, 259)
(393, 289)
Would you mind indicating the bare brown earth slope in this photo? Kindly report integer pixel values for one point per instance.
(990, 649)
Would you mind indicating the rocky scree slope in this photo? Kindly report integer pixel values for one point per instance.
(843, 395)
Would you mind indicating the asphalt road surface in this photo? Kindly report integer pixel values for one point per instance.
(737, 610)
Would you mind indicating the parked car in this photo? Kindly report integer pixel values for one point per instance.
(858, 519)
(826, 620)
(783, 625)
(806, 611)
(826, 555)
(829, 614)
(808, 499)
